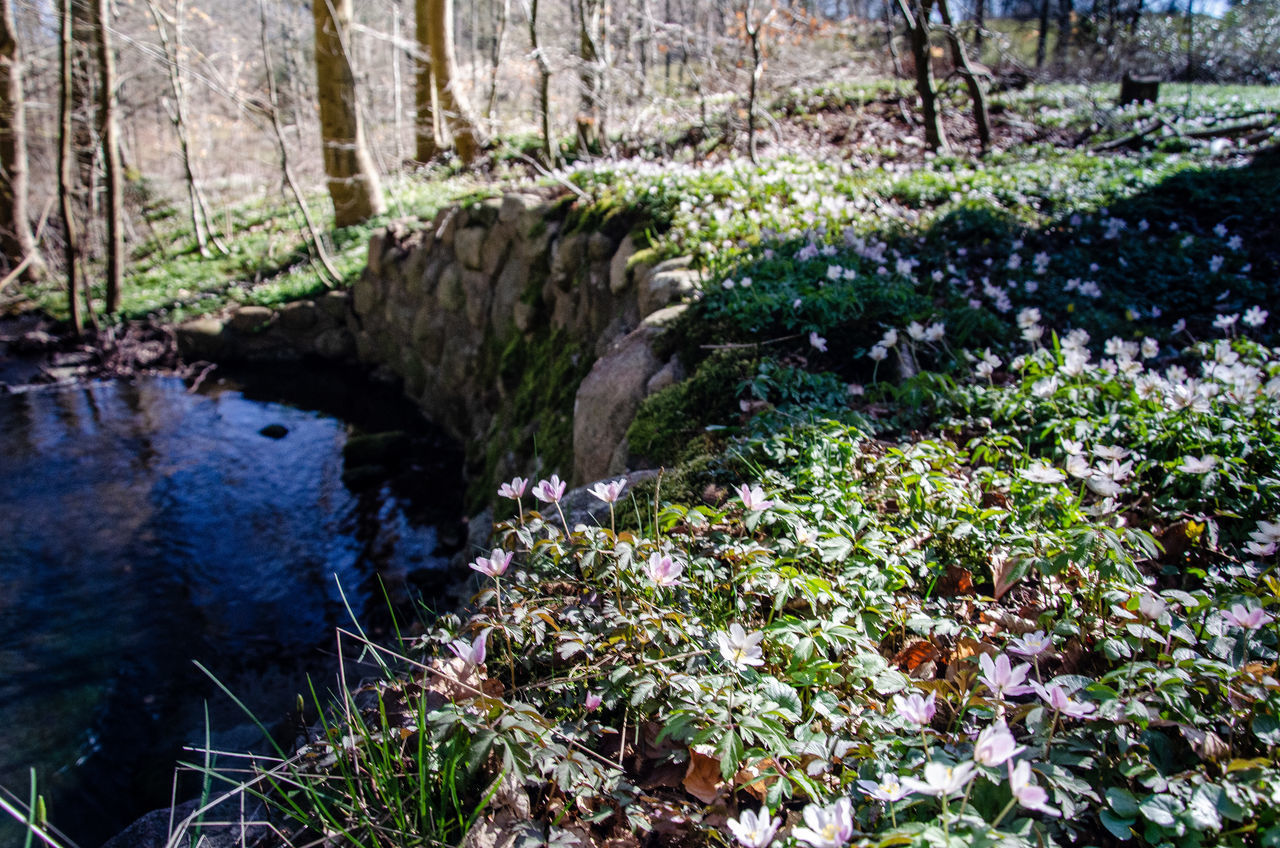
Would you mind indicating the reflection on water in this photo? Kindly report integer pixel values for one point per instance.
(142, 527)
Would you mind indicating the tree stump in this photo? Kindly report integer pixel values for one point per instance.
(1139, 89)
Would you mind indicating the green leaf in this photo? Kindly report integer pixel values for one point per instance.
(1160, 809)
(1267, 728)
(1204, 809)
(890, 681)
(1123, 802)
(835, 549)
(1118, 827)
(729, 750)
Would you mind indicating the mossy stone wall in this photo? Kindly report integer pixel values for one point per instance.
(493, 314)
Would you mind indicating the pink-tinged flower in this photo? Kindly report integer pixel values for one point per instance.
(495, 565)
(1078, 467)
(471, 653)
(915, 709)
(753, 498)
(1041, 472)
(1268, 531)
(1032, 644)
(1151, 606)
(889, 789)
(740, 647)
(754, 830)
(550, 491)
(1202, 465)
(1245, 618)
(592, 702)
(1025, 790)
(609, 492)
(1260, 549)
(1255, 316)
(1111, 452)
(513, 490)
(663, 570)
(941, 780)
(827, 827)
(1058, 700)
(996, 746)
(817, 342)
(1002, 678)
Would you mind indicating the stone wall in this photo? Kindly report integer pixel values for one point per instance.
(320, 327)
(473, 308)
(524, 330)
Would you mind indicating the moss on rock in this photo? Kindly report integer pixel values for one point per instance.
(670, 422)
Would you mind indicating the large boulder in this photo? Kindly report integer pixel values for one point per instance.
(201, 339)
(610, 396)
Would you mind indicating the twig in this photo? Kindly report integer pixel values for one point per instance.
(1131, 139)
(582, 195)
(747, 345)
(201, 377)
(30, 257)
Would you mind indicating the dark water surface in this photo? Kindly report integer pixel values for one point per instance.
(143, 527)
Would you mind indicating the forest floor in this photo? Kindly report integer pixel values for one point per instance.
(967, 530)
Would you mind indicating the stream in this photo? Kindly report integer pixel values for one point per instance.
(144, 528)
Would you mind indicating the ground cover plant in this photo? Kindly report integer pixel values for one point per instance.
(970, 538)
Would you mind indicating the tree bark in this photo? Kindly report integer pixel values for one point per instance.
(544, 84)
(429, 129)
(890, 43)
(979, 21)
(917, 15)
(201, 218)
(109, 132)
(1042, 39)
(500, 34)
(315, 244)
(592, 53)
(84, 112)
(976, 94)
(440, 104)
(353, 181)
(457, 112)
(65, 165)
(16, 241)
(755, 31)
(1063, 44)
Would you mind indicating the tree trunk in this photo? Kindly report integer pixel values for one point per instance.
(449, 100)
(65, 165)
(1042, 39)
(976, 94)
(84, 112)
(353, 181)
(889, 34)
(499, 37)
(109, 132)
(397, 105)
(754, 33)
(917, 16)
(429, 129)
(544, 84)
(591, 54)
(201, 219)
(644, 39)
(1063, 44)
(979, 21)
(16, 241)
(315, 244)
